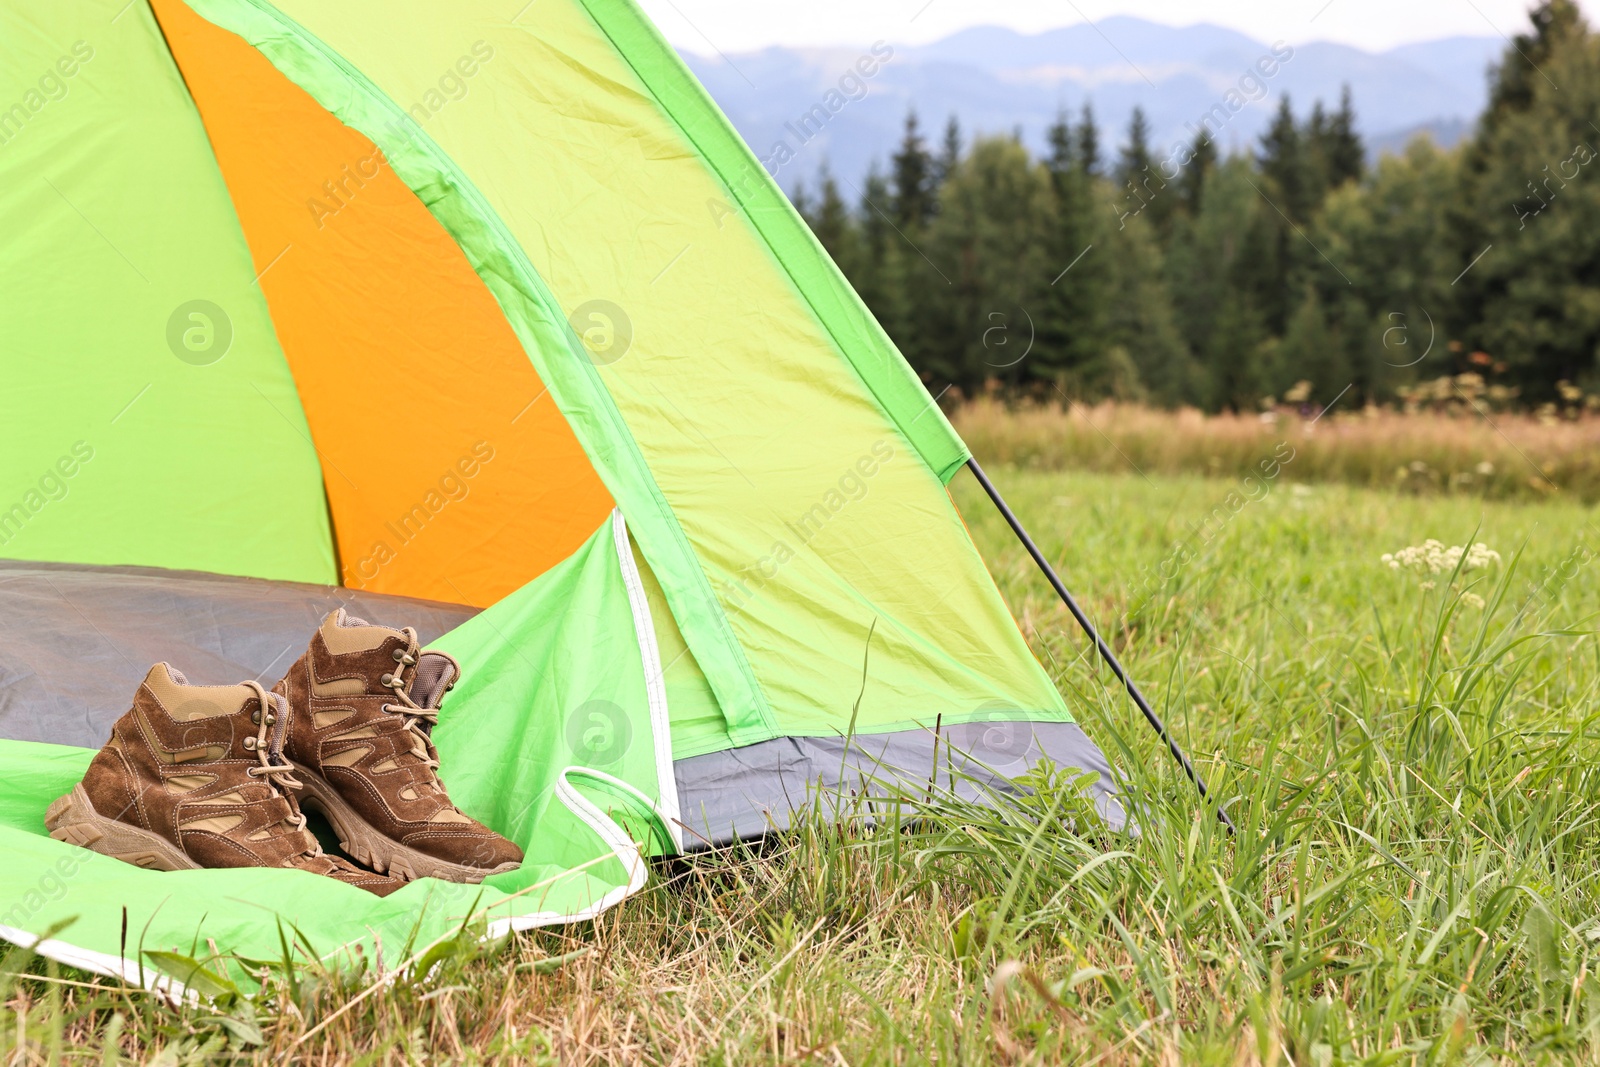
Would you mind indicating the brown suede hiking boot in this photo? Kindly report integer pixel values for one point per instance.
(365, 699)
(194, 776)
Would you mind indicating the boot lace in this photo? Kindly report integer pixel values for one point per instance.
(418, 720)
(279, 775)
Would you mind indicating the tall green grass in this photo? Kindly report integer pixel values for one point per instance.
(1414, 879)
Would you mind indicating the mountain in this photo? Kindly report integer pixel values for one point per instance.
(1461, 61)
(996, 80)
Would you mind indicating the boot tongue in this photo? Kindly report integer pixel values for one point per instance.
(344, 633)
(436, 673)
(433, 675)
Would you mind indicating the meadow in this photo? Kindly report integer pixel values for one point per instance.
(1409, 758)
(1451, 442)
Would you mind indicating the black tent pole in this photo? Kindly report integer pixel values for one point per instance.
(1088, 627)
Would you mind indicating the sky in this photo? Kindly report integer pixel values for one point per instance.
(711, 26)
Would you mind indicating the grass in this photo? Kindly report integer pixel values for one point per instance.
(1414, 881)
(1462, 449)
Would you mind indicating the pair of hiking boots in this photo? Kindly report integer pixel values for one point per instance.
(207, 776)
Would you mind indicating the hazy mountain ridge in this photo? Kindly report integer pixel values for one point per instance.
(996, 80)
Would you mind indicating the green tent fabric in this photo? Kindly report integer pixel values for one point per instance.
(484, 321)
(114, 216)
(581, 793)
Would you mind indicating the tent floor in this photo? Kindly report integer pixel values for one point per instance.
(75, 641)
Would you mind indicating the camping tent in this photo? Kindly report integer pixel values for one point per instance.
(483, 320)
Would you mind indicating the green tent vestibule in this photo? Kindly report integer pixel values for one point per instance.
(486, 322)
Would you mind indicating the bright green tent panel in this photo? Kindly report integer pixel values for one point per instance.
(554, 678)
(778, 499)
(148, 416)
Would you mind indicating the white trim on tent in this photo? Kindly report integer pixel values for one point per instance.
(87, 959)
(655, 683)
(627, 851)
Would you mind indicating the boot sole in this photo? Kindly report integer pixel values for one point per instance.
(73, 819)
(367, 845)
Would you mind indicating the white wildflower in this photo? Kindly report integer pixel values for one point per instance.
(1486, 468)
(1473, 599)
(1432, 557)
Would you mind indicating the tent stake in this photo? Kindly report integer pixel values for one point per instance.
(1105, 650)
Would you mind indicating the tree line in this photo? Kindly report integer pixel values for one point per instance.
(1291, 270)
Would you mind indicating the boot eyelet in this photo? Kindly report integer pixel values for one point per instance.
(399, 655)
(272, 720)
(387, 679)
(250, 744)
(255, 716)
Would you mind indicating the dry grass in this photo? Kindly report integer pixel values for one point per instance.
(1500, 455)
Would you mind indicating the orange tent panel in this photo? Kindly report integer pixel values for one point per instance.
(450, 472)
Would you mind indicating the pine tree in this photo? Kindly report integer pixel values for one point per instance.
(1068, 180)
(945, 163)
(1142, 188)
(1283, 163)
(1521, 70)
(1088, 150)
(1344, 154)
(949, 152)
(1133, 171)
(1146, 357)
(1287, 185)
(830, 221)
(1063, 153)
(877, 230)
(913, 169)
(1074, 323)
(1135, 161)
(1192, 181)
(1314, 141)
